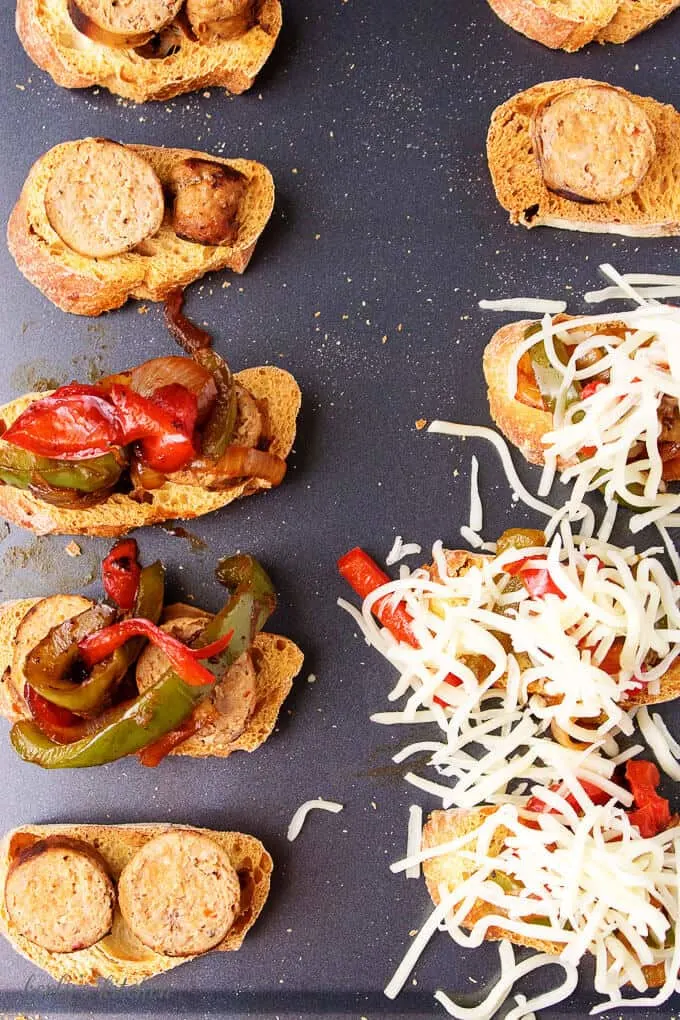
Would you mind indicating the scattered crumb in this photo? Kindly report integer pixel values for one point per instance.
(421, 423)
(22, 88)
(413, 932)
(73, 549)
(400, 327)
(143, 309)
(311, 679)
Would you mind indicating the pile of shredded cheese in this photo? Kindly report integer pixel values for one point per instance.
(585, 883)
(531, 668)
(545, 652)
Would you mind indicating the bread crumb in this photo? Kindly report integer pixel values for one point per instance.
(400, 327)
(22, 88)
(73, 549)
(413, 932)
(317, 314)
(384, 338)
(311, 679)
(421, 423)
(143, 310)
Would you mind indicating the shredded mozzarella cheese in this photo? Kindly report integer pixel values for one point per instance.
(400, 550)
(415, 829)
(532, 305)
(298, 819)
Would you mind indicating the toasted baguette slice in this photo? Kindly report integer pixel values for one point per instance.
(634, 17)
(652, 210)
(161, 263)
(51, 40)
(559, 24)
(120, 957)
(450, 870)
(274, 662)
(119, 514)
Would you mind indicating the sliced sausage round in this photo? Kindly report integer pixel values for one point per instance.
(593, 144)
(103, 199)
(222, 19)
(59, 895)
(207, 204)
(125, 22)
(180, 893)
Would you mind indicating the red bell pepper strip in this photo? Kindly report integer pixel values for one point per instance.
(120, 574)
(98, 646)
(73, 423)
(166, 444)
(652, 812)
(154, 754)
(59, 724)
(536, 580)
(597, 796)
(364, 575)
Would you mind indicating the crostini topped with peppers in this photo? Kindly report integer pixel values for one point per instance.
(130, 676)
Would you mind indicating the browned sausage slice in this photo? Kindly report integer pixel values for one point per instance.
(208, 197)
(104, 199)
(593, 144)
(59, 895)
(123, 22)
(222, 19)
(180, 893)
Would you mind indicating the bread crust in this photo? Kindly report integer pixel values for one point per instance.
(49, 38)
(119, 514)
(275, 662)
(450, 870)
(524, 426)
(120, 957)
(556, 31)
(652, 210)
(89, 286)
(634, 17)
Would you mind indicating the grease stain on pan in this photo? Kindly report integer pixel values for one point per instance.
(46, 561)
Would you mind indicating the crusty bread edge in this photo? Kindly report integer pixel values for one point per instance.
(119, 514)
(523, 426)
(46, 55)
(87, 966)
(84, 292)
(542, 25)
(458, 822)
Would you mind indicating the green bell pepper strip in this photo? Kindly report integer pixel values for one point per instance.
(22, 469)
(128, 728)
(49, 663)
(218, 431)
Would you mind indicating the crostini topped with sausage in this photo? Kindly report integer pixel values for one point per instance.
(150, 49)
(127, 902)
(98, 222)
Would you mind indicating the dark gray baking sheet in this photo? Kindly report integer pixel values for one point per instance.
(372, 116)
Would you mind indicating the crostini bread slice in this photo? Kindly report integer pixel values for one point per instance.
(274, 662)
(634, 17)
(559, 24)
(652, 210)
(161, 263)
(120, 957)
(51, 40)
(119, 514)
(450, 870)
